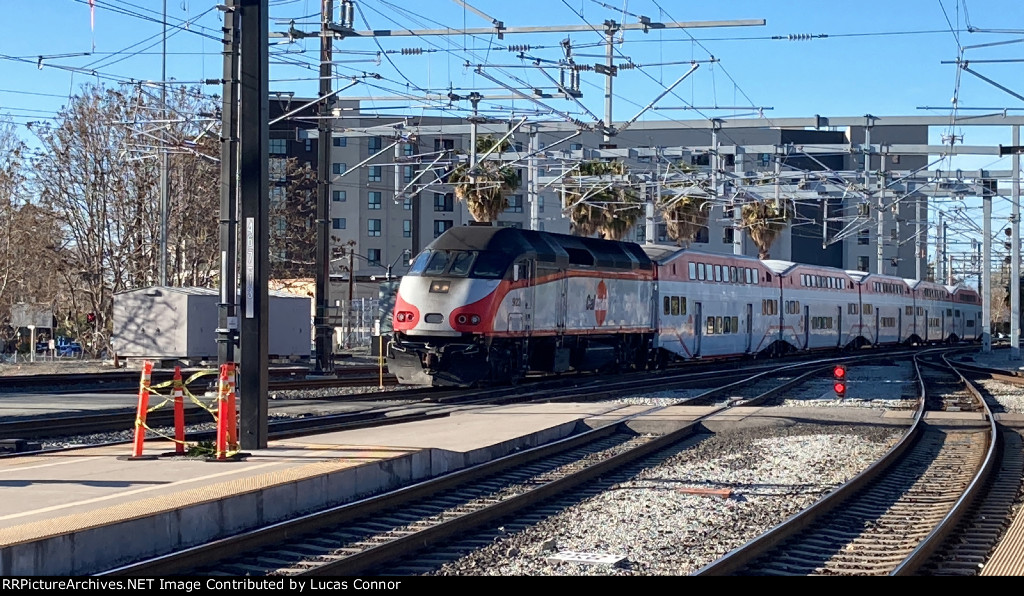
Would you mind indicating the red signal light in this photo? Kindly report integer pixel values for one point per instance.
(840, 388)
(839, 372)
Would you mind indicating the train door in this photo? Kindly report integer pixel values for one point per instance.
(878, 320)
(927, 327)
(807, 327)
(943, 336)
(839, 326)
(899, 325)
(698, 327)
(750, 327)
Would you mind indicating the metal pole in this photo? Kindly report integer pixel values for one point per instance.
(254, 142)
(323, 334)
(227, 319)
(881, 216)
(940, 255)
(164, 198)
(610, 29)
(652, 201)
(351, 294)
(531, 172)
(919, 241)
(1015, 254)
(737, 209)
(986, 273)
(947, 261)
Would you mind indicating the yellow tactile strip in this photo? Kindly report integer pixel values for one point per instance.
(171, 502)
(1008, 558)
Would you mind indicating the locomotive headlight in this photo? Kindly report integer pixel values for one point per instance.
(461, 319)
(400, 317)
(474, 320)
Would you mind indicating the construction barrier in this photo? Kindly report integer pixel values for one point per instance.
(142, 409)
(179, 391)
(227, 419)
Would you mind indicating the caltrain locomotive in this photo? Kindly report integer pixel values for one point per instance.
(486, 304)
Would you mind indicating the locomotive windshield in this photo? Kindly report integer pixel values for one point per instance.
(461, 263)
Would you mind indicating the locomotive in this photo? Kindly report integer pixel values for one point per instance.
(486, 304)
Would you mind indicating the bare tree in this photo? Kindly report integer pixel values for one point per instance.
(293, 218)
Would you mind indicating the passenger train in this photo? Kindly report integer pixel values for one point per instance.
(485, 304)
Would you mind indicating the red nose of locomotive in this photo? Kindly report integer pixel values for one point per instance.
(431, 306)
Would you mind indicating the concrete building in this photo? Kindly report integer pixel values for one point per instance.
(372, 212)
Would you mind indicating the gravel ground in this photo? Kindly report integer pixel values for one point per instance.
(773, 473)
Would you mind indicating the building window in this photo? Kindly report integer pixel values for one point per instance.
(444, 144)
(441, 226)
(339, 168)
(540, 203)
(515, 204)
(862, 263)
(406, 228)
(408, 149)
(576, 147)
(277, 169)
(338, 223)
(728, 235)
(510, 224)
(373, 227)
(373, 256)
(373, 145)
(407, 173)
(373, 200)
(309, 145)
(864, 237)
(641, 233)
(278, 146)
(376, 173)
(407, 204)
(339, 196)
(444, 202)
(276, 195)
(702, 235)
(895, 236)
(339, 141)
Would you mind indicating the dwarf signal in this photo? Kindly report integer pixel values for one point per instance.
(839, 380)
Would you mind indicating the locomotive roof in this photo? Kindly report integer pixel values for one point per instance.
(561, 249)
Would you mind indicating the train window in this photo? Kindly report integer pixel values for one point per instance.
(718, 273)
(949, 312)
(419, 264)
(735, 324)
(842, 284)
(920, 311)
(664, 305)
(868, 309)
(727, 325)
(700, 271)
(461, 263)
(675, 305)
(764, 307)
(437, 264)
(718, 324)
(851, 308)
(733, 275)
(803, 279)
(958, 312)
(969, 322)
(682, 305)
(750, 277)
(768, 277)
(910, 310)
(693, 270)
(711, 326)
(490, 265)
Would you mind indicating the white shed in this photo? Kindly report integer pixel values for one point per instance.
(163, 322)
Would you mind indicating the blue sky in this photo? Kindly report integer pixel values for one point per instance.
(880, 57)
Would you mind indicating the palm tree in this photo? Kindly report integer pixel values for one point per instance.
(684, 217)
(612, 211)
(765, 219)
(485, 189)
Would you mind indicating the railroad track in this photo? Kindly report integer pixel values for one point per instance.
(893, 517)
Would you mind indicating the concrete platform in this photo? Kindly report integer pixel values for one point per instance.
(83, 511)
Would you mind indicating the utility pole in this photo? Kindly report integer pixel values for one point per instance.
(737, 207)
(881, 215)
(919, 242)
(940, 253)
(254, 141)
(1015, 253)
(324, 334)
(532, 174)
(227, 317)
(610, 28)
(985, 272)
(164, 198)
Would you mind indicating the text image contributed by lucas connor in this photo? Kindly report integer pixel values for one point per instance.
(191, 585)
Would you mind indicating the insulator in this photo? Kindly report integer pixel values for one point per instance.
(519, 48)
(627, 66)
(582, 67)
(412, 51)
